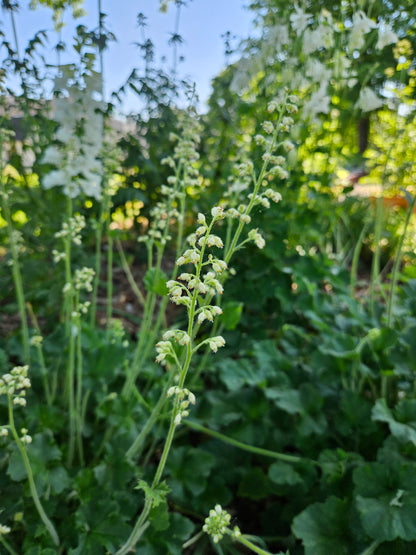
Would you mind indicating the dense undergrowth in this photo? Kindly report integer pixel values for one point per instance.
(207, 334)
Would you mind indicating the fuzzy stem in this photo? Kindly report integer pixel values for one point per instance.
(109, 281)
(129, 275)
(16, 43)
(147, 332)
(371, 548)
(17, 276)
(244, 446)
(356, 257)
(151, 420)
(78, 399)
(98, 239)
(69, 327)
(247, 543)
(48, 524)
(48, 394)
(7, 546)
(71, 397)
(375, 268)
(141, 521)
(257, 184)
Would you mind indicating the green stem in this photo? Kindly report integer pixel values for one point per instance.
(396, 265)
(78, 399)
(181, 219)
(104, 204)
(244, 446)
(13, 22)
(143, 340)
(68, 299)
(257, 185)
(371, 548)
(98, 239)
(7, 546)
(71, 397)
(217, 329)
(141, 521)
(129, 275)
(147, 332)
(150, 421)
(191, 330)
(109, 281)
(356, 257)
(375, 268)
(100, 49)
(192, 540)
(69, 327)
(46, 388)
(48, 394)
(246, 542)
(16, 273)
(48, 524)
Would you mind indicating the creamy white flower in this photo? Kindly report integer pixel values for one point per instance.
(64, 134)
(319, 103)
(361, 25)
(317, 71)
(321, 37)
(246, 69)
(368, 100)
(362, 22)
(278, 36)
(52, 156)
(299, 20)
(386, 36)
(55, 178)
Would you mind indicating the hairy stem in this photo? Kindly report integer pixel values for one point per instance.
(48, 524)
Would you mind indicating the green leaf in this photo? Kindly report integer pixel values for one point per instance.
(179, 531)
(155, 281)
(334, 463)
(403, 432)
(234, 374)
(284, 474)
(168, 541)
(16, 469)
(44, 458)
(322, 527)
(189, 469)
(386, 500)
(382, 338)
(159, 516)
(231, 314)
(58, 479)
(157, 493)
(288, 400)
(254, 484)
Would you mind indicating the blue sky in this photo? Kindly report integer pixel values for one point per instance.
(202, 23)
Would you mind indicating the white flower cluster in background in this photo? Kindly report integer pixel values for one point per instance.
(315, 51)
(71, 229)
(79, 135)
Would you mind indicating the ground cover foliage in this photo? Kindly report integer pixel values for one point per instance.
(207, 336)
